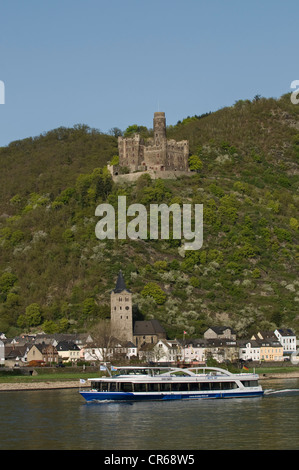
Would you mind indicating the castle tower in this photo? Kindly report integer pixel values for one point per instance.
(121, 311)
(159, 129)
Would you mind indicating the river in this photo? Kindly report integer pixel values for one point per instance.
(61, 419)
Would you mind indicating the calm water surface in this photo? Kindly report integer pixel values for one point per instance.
(61, 419)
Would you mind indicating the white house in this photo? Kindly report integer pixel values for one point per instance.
(68, 351)
(193, 350)
(287, 339)
(94, 353)
(249, 351)
(162, 351)
(102, 354)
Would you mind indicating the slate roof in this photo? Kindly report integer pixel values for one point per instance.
(120, 284)
(221, 329)
(67, 346)
(285, 332)
(148, 327)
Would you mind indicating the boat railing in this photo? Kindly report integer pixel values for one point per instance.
(170, 371)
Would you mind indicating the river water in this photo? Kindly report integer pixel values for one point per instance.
(61, 419)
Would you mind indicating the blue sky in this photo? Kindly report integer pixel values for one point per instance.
(114, 63)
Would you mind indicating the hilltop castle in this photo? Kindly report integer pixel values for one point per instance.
(155, 155)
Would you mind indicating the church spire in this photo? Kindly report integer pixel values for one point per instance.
(120, 284)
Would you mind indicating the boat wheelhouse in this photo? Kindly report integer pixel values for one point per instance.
(157, 383)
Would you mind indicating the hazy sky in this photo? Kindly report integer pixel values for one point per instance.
(114, 63)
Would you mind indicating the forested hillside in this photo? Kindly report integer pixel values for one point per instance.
(55, 275)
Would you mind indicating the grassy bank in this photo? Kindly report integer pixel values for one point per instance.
(274, 370)
(65, 376)
(48, 377)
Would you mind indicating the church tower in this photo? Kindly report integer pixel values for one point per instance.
(121, 311)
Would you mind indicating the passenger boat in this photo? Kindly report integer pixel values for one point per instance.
(157, 383)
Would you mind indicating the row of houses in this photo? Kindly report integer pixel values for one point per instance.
(219, 343)
(222, 345)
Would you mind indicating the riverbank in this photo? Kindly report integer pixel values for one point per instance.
(280, 375)
(19, 386)
(56, 385)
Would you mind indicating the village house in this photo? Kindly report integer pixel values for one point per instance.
(43, 352)
(127, 349)
(220, 332)
(222, 350)
(287, 339)
(193, 350)
(68, 351)
(164, 351)
(80, 339)
(271, 350)
(93, 352)
(15, 355)
(249, 350)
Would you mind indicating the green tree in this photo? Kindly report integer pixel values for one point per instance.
(195, 163)
(115, 160)
(89, 308)
(7, 281)
(151, 289)
(32, 316)
(294, 224)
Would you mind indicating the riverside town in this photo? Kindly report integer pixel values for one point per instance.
(145, 342)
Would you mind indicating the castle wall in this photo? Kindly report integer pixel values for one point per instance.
(154, 174)
(155, 157)
(130, 152)
(177, 155)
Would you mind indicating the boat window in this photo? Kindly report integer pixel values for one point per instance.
(139, 387)
(113, 386)
(204, 386)
(104, 386)
(125, 387)
(164, 387)
(153, 387)
(96, 386)
(193, 386)
(228, 385)
(175, 387)
(249, 383)
(179, 387)
(215, 385)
